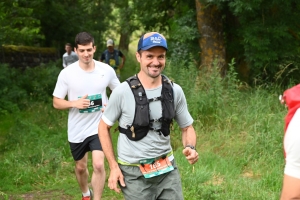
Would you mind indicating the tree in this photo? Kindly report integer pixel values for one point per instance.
(212, 35)
(126, 22)
(17, 25)
(262, 35)
(176, 19)
(62, 20)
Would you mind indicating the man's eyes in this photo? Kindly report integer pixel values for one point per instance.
(88, 50)
(159, 57)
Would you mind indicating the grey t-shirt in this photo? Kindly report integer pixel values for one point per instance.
(69, 59)
(121, 107)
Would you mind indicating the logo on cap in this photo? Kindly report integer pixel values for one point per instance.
(156, 39)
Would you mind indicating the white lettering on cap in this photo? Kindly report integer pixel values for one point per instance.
(155, 39)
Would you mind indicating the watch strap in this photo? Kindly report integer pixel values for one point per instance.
(191, 146)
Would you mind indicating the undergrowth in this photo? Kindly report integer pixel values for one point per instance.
(239, 137)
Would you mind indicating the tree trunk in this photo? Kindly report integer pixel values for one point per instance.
(125, 24)
(209, 20)
(124, 41)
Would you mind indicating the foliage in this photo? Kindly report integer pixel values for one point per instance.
(18, 88)
(183, 37)
(17, 24)
(150, 20)
(11, 92)
(263, 33)
(70, 17)
(51, 23)
(239, 140)
(237, 131)
(176, 20)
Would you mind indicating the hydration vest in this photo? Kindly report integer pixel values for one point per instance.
(142, 123)
(114, 56)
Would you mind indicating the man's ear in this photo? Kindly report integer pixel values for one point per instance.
(138, 56)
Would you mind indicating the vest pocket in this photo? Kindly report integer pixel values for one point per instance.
(137, 134)
(168, 105)
(142, 117)
(165, 127)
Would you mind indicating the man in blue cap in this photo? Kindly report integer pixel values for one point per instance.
(145, 106)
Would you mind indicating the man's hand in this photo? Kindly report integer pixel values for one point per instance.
(103, 107)
(115, 177)
(82, 103)
(281, 99)
(191, 155)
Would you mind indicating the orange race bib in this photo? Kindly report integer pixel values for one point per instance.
(151, 167)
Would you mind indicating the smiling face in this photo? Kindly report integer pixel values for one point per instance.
(85, 53)
(152, 61)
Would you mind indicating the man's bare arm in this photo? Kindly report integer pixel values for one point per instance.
(62, 104)
(189, 140)
(291, 188)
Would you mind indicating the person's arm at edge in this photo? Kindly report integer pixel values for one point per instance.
(102, 57)
(107, 147)
(123, 61)
(64, 64)
(189, 138)
(291, 188)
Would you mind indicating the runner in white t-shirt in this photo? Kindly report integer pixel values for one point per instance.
(84, 83)
(70, 56)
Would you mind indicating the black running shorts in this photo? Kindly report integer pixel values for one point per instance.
(91, 143)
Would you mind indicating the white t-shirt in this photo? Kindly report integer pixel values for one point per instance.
(121, 107)
(74, 82)
(292, 147)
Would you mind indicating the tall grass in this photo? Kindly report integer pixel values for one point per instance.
(239, 140)
(239, 136)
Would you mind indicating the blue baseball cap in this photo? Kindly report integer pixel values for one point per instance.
(152, 39)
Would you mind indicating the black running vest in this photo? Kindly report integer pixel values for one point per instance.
(142, 122)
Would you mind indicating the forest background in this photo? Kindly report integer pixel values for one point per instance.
(232, 58)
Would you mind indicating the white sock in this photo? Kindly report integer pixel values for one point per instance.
(87, 194)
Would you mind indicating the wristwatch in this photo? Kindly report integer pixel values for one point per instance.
(191, 146)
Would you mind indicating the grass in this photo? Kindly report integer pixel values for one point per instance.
(239, 140)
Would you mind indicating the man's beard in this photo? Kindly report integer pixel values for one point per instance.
(158, 68)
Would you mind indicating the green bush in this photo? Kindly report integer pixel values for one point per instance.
(12, 95)
(18, 87)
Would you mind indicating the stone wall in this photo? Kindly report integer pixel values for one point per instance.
(25, 56)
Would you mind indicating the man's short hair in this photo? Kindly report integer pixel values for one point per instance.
(83, 38)
(68, 44)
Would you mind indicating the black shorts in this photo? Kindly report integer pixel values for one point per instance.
(91, 143)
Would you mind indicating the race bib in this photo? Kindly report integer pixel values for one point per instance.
(95, 104)
(151, 167)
